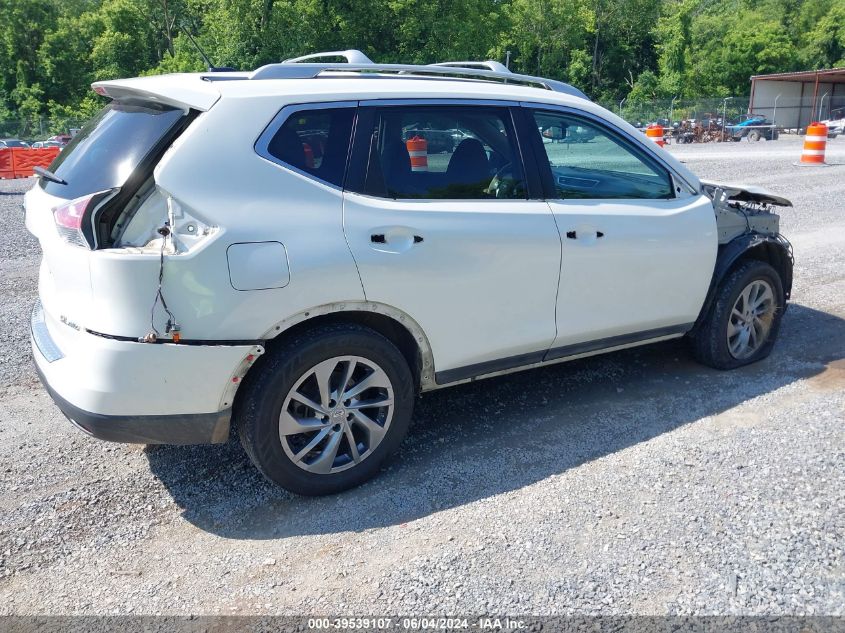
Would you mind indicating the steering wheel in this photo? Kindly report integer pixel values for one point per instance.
(501, 187)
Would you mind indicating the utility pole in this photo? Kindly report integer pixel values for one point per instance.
(508, 60)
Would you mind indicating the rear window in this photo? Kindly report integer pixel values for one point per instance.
(107, 150)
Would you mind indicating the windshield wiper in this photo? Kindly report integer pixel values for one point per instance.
(49, 175)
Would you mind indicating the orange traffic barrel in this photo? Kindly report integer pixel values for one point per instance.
(814, 144)
(418, 151)
(655, 133)
(309, 155)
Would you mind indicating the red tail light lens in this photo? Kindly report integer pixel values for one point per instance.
(73, 218)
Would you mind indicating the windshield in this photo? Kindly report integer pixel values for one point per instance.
(107, 150)
(11, 142)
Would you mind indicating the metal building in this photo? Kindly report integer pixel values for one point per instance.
(794, 100)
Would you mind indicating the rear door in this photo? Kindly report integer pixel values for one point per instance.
(458, 241)
(638, 249)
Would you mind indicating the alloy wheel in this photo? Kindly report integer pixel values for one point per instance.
(751, 319)
(336, 414)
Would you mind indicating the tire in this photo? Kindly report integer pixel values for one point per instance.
(754, 135)
(711, 343)
(293, 368)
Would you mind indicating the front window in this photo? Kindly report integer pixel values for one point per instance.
(587, 161)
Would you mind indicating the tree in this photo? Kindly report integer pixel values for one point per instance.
(824, 43)
(51, 51)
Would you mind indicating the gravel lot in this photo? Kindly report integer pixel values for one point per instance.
(634, 483)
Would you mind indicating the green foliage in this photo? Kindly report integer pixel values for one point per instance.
(823, 44)
(52, 50)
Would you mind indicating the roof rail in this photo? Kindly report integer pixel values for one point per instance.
(352, 56)
(488, 65)
(357, 62)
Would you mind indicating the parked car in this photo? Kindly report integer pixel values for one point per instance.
(62, 139)
(835, 123)
(753, 127)
(198, 271)
(13, 142)
(45, 144)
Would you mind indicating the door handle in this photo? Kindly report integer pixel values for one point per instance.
(394, 239)
(573, 235)
(379, 238)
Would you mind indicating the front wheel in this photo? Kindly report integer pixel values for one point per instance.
(744, 319)
(324, 410)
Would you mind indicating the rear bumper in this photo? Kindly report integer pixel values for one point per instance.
(197, 428)
(136, 392)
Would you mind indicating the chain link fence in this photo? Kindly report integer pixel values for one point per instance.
(38, 128)
(788, 114)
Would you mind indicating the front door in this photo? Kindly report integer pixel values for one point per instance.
(638, 251)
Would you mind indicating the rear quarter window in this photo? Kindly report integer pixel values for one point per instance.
(110, 147)
(315, 142)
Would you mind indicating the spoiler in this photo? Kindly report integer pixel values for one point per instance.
(182, 90)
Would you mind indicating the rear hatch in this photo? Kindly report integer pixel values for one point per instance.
(93, 179)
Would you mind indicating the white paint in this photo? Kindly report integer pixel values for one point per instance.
(651, 268)
(258, 265)
(482, 284)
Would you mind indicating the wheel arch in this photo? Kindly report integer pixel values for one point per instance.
(774, 250)
(390, 322)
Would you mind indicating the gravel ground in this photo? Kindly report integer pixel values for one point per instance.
(633, 483)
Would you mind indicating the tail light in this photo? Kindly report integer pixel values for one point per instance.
(74, 219)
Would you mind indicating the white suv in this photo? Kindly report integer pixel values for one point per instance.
(303, 249)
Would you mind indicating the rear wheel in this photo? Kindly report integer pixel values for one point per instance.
(744, 319)
(323, 411)
(754, 135)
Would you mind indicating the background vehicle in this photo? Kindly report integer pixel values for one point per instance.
(753, 127)
(13, 142)
(836, 123)
(43, 144)
(61, 139)
(292, 273)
